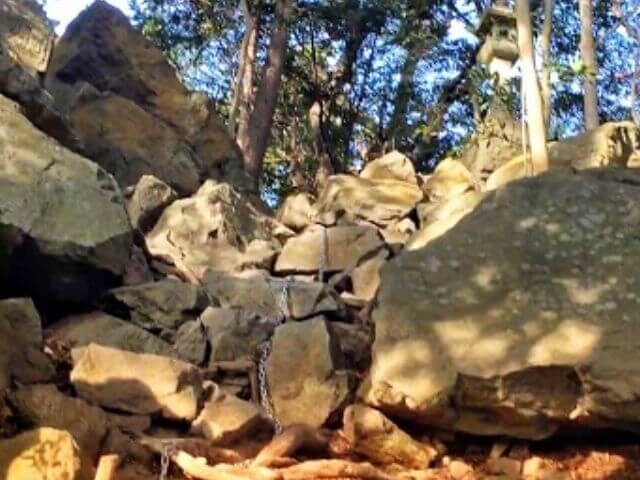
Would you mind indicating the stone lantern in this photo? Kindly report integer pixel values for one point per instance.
(499, 34)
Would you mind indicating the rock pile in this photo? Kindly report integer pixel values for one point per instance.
(182, 318)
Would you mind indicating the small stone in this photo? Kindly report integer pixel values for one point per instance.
(460, 470)
(225, 419)
(504, 466)
(532, 467)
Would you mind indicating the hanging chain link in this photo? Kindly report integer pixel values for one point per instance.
(282, 312)
(322, 253)
(165, 459)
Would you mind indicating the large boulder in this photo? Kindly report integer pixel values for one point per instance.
(328, 249)
(136, 383)
(101, 49)
(103, 329)
(129, 142)
(41, 454)
(50, 201)
(315, 389)
(216, 228)
(521, 318)
(166, 304)
(393, 166)
(21, 344)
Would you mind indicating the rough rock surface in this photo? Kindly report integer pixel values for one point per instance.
(21, 344)
(315, 389)
(393, 166)
(108, 331)
(437, 219)
(166, 304)
(234, 334)
(450, 179)
(46, 406)
(611, 144)
(260, 293)
(18, 83)
(379, 201)
(331, 249)
(149, 199)
(531, 333)
(225, 419)
(102, 49)
(296, 211)
(54, 451)
(26, 33)
(51, 199)
(136, 383)
(216, 228)
(191, 342)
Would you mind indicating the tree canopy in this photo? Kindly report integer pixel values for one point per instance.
(360, 77)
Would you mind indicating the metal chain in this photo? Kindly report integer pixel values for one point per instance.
(165, 459)
(282, 312)
(322, 253)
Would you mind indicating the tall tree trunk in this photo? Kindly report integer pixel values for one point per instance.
(243, 91)
(545, 43)
(535, 117)
(255, 140)
(587, 50)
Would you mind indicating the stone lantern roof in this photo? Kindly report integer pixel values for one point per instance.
(498, 30)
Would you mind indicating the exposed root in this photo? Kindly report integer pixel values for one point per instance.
(198, 468)
(327, 469)
(290, 441)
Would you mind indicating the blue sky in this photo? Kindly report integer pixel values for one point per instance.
(64, 11)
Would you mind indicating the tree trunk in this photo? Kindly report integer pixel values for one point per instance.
(537, 133)
(243, 91)
(587, 50)
(255, 140)
(545, 43)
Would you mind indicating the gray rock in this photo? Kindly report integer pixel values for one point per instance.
(136, 383)
(305, 383)
(331, 249)
(535, 331)
(234, 334)
(166, 304)
(108, 331)
(191, 342)
(150, 197)
(261, 294)
(50, 201)
(101, 48)
(21, 355)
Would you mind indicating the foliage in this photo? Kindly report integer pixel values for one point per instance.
(381, 73)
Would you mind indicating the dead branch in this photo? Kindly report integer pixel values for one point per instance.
(198, 468)
(107, 467)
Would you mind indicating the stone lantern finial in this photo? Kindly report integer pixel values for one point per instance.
(498, 32)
